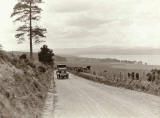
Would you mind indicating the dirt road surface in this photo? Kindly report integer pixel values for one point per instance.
(81, 98)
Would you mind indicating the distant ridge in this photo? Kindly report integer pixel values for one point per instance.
(97, 50)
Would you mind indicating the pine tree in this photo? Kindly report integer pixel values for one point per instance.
(28, 12)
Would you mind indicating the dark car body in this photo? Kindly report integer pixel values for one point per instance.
(62, 72)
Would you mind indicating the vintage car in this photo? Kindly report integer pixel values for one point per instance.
(62, 72)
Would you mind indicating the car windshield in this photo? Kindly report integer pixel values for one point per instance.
(61, 66)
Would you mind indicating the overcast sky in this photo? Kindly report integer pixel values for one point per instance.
(87, 23)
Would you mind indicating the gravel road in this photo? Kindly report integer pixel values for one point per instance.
(81, 98)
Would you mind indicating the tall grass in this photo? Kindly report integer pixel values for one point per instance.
(120, 78)
(23, 88)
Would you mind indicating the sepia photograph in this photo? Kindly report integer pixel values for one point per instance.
(80, 59)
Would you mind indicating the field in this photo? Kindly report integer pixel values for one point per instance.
(110, 67)
(116, 74)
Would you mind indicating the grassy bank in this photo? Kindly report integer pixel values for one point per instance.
(23, 87)
(141, 85)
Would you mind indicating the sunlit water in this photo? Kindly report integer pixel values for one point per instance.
(149, 59)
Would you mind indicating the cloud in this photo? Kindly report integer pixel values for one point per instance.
(68, 33)
(71, 6)
(87, 22)
(77, 34)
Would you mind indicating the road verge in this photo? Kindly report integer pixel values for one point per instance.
(137, 85)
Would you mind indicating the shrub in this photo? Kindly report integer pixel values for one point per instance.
(94, 73)
(42, 69)
(23, 57)
(31, 64)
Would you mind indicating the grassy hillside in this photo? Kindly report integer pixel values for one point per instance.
(23, 87)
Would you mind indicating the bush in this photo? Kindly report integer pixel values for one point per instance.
(42, 69)
(46, 55)
(23, 57)
(31, 64)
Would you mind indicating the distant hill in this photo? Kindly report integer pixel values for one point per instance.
(98, 50)
(73, 59)
(60, 58)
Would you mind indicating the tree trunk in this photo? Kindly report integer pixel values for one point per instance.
(31, 50)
